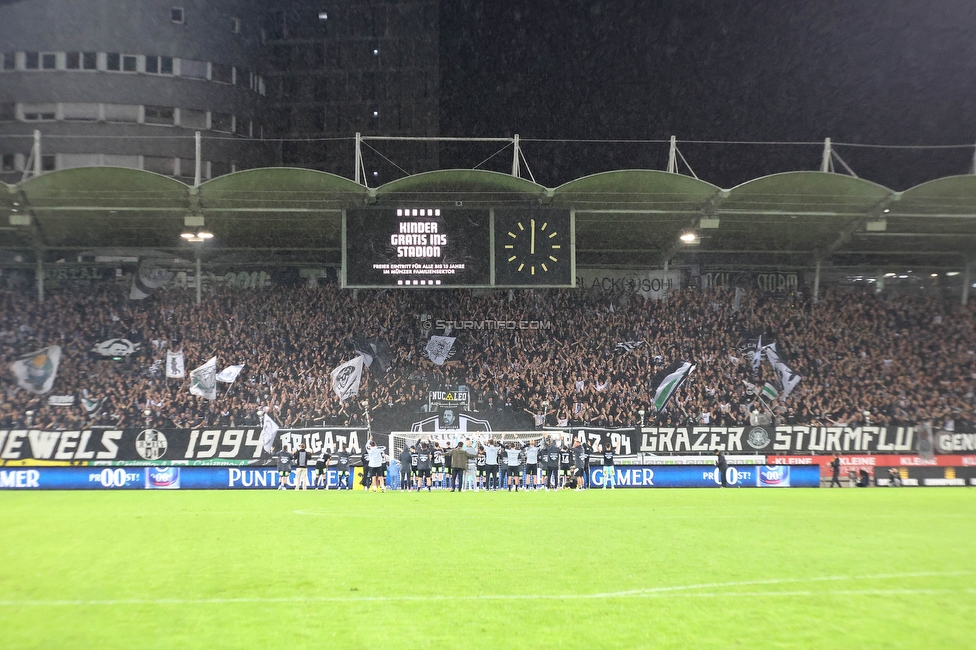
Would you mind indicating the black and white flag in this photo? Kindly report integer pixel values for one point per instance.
(346, 378)
(147, 278)
(787, 378)
(627, 346)
(116, 348)
(439, 348)
(671, 379)
(268, 432)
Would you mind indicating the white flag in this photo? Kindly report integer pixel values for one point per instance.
(229, 374)
(203, 380)
(268, 433)
(174, 365)
(346, 378)
(36, 371)
(757, 355)
(439, 347)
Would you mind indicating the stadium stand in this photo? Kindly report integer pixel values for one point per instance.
(861, 356)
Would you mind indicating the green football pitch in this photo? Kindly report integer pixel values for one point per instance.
(707, 568)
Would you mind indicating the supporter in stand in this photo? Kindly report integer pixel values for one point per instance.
(863, 358)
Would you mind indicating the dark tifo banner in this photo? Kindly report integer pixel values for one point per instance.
(677, 476)
(243, 478)
(450, 421)
(147, 478)
(162, 447)
(758, 439)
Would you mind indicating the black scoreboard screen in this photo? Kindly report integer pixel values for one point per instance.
(417, 247)
(424, 248)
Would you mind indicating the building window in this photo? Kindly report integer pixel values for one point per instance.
(48, 163)
(177, 16)
(193, 119)
(221, 73)
(121, 113)
(223, 122)
(9, 163)
(79, 112)
(72, 61)
(32, 60)
(10, 61)
(39, 112)
(235, 25)
(113, 61)
(159, 165)
(130, 63)
(242, 77)
(194, 69)
(159, 115)
(159, 64)
(89, 60)
(8, 112)
(49, 61)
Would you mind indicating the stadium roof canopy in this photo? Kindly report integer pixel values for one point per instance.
(629, 218)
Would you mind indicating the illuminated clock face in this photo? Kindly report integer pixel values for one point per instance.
(530, 246)
(533, 248)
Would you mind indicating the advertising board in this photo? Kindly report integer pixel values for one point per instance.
(678, 476)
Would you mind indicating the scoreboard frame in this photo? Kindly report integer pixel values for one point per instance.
(564, 218)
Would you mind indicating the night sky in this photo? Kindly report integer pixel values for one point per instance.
(862, 71)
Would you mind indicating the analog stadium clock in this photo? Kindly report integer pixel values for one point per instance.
(533, 248)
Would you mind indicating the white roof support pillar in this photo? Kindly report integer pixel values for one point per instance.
(827, 163)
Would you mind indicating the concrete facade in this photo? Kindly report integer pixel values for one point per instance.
(129, 82)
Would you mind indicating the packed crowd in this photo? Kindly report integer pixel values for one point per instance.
(864, 359)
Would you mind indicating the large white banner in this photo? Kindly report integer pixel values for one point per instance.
(203, 380)
(175, 365)
(346, 378)
(650, 284)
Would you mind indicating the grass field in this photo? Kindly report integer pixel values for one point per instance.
(873, 568)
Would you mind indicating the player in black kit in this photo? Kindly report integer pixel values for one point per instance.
(481, 466)
(565, 465)
(342, 467)
(424, 462)
(322, 469)
(284, 459)
(406, 467)
(609, 473)
(552, 466)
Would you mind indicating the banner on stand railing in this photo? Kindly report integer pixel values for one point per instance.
(165, 446)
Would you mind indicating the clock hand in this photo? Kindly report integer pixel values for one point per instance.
(532, 249)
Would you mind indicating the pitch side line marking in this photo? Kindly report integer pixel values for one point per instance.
(654, 592)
